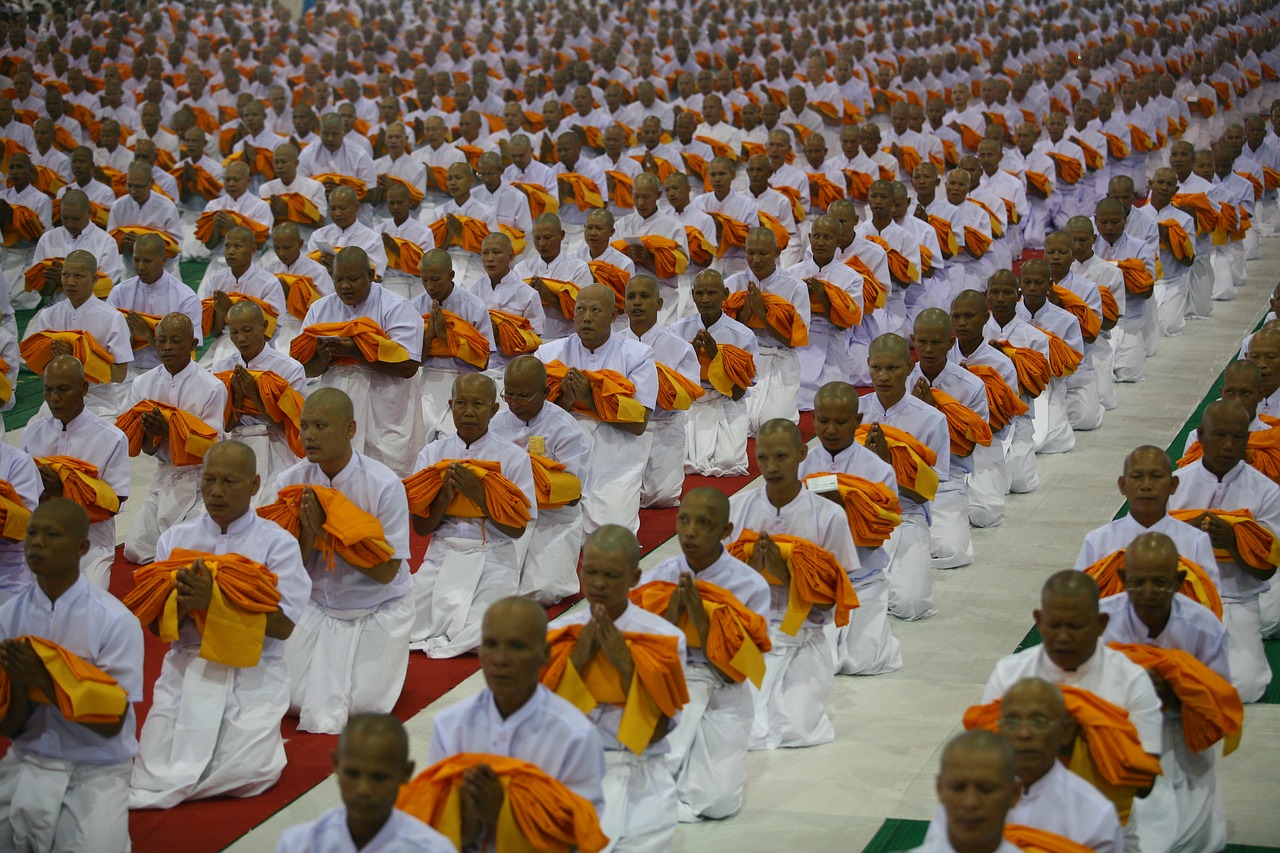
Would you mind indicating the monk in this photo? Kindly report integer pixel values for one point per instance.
(181, 757)
(1010, 333)
(977, 785)
(152, 291)
(639, 790)
(1054, 433)
(241, 277)
(371, 762)
(64, 785)
(516, 716)
(357, 613)
(471, 561)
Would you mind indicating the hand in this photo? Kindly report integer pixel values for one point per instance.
(649, 163)
(691, 602)
(126, 242)
(222, 222)
(251, 158)
(452, 230)
(580, 385)
(195, 587)
(244, 387)
(640, 254)
(818, 293)
(1221, 534)
(138, 327)
(877, 444)
(25, 668)
(544, 293)
(613, 645)
(922, 391)
(704, 343)
(338, 347)
(1164, 690)
(154, 423)
(50, 481)
(482, 796)
(278, 207)
(921, 213)
(311, 516)
(466, 483)
(221, 303)
(767, 559)
(755, 300)
(60, 348)
(188, 173)
(53, 275)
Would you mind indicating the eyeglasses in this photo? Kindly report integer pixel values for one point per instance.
(1037, 723)
(522, 398)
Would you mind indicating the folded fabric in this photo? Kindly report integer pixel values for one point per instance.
(300, 293)
(701, 252)
(152, 320)
(874, 291)
(1031, 840)
(515, 235)
(1198, 586)
(872, 508)
(552, 482)
(1090, 322)
(737, 637)
(976, 242)
(82, 691)
(205, 226)
(566, 293)
(901, 269)
(189, 437)
(33, 278)
(269, 312)
(507, 504)
(1200, 208)
(676, 393)
(82, 485)
(1211, 708)
(669, 259)
(780, 234)
(366, 334)
(471, 238)
(25, 227)
(844, 313)
(732, 367)
(538, 815)
(171, 245)
(1256, 544)
(513, 333)
(14, 514)
(817, 578)
(612, 393)
(965, 426)
(349, 531)
(1069, 169)
(733, 233)
(1040, 182)
(1003, 402)
(332, 180)
(403, 255)
(461, 340)
(657, 687)
(37, 351)
(997, 224)
(912, 461)
(416, 195)
(823, 191)
(283, 404)
(1032, 366)
(946, 235)
(540, 201)
(579, 190)
(1063, 359)
(616, 278)
(300, 210)
(780, 315)
(1262, 450)
(619, 186)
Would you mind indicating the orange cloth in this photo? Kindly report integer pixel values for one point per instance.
(780, 233)
(1090, 323)
(300, 291)
(515, 235)
(1033, 368)
(566, 293)
(657, 687)
(1256, 544)
(1063, 360)
(874, 291)
(333, 180)
(26, 226)
(1116, 147)
(612, 393)
(283, 404)
(82, 691)
(171, 247)
(912, 461)
(946, 235)
(615, 277)
(507, 504)
(1110, 308)
(204, 226)
(1142, 141)
(1137, 278)
(552, 482)
(997, 225)
(264, 164)
(14, 515)
(538, 815)
(675, 392)
(189, 437)
(473, 233)
(1069, 169)
(234, 625)
(780, 315)
(205, 185)
(668, 258)
(976, 242)
(540, 201)
(1002, 401)
(1199, 208)
(1211, 707)
(822, 191)
(901, 269)
(579, 190)
(81, 484)
(1262, 452)
(367, 335)
(268, 311)
(350, 532)
(37, 352)
(300, 209)
(152, 320)
(1040, 182)
(403, 255)
(1198, 586)
(817, 578)
(416, 195)
(619, 187)
(1092, 156)
(733, 234)
(872, 508)
(844, 313)
(732, 366)
(513, 333)
(859, 184)
(33, 278)
(701, 252)
(1031, 840)
(736, 637)
(965, 426)
(462, 341)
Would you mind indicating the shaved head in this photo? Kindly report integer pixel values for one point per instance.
(934, 319)
(890, 344)
(1145, 454)
(615, 539)
(781, 427)
(333, 401)
(713, 499)
(835, 393)
(70, 516)
(1073, 585)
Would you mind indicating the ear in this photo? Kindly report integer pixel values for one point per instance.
(257, 483)
(1120, 483)
(1103, 619)
(1173, 486)
(408, 772)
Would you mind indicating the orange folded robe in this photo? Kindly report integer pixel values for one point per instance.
(901, 269)
(1090, 322)
(26, 226)
(33, 278)
(37, 352)
(737, 638)
(507, 504)
(540, 201)
(1109, 755)
(350, 532)
(472, 238)
(616, 278)
(733, 233)
(657, 687)
(1003, 402)
(965, 426)
(1211, 707)
(1063, 359)
(1262, 452)
(874, 291)
(946, 235)
(552, 482)
(82, 691)
(976, 242)
(82, 485)
(823, 191)
(1031, 840)
(817, 578)
(579, 190)
(1257, 544)
(912, 461)
(619, 186)
(269, 312)
(844, 313)
(14, 515)
(1069, 169)
(732, 367)
(513, 333)
(403, 255)
(872, 508)
(612, 393)
(283, 405)
(152, 320)
(701, 252)
(189, 437)
(300, 210)
(1198, 586)
(300, 293)
(566, 293)
(669, 259)
(416, 195)
(675, 392)
(204, 226)
(780, 315)
(233, 628)
(1200, 208)
(538, 815)
(461, 340)
(367, 335)
(1033, 368)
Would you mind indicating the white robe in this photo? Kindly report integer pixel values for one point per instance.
(717, 427)
(777, 365)
(440, 372)
(663, 479)
(108, 328)
(402, 833)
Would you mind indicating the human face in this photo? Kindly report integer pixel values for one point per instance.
(1163, 186)
(524, 396)
(287, 247)
(325, 436)
(64, 392)
(1110, 224)
(1070, 627)
(607, 577)
(1234, 387)
(472, 410)
(512, 653)
(1147, 483)
(227, 486)
(823, 240)
(1058, 254)
(343, 210)
(237, 250)
(248, 335)
(889, 372)
(351, 280)
(495, 257)
(1151, 584)
(708, 297)
(778, 457)
(720, 174)
(50, 548)
(932, 343)
(1224, 439)
(596, 233)
(642, 304)
(645, 196)
(1035, 285)
(490, 173)
(968, 320)
(762, 257)
(148, 262)
(836, 422)
(592, 316)
(370, 771)
(1035, 728)
(437, 280)
(989, 157)
(1264, 351)
(700, 531)
(957, 187)
(174, 345)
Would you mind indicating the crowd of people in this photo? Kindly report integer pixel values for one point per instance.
(506, 276)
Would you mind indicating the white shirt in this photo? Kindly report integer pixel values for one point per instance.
(255, 282)
(58, 243)
(349, 160)
(469, 307)
(391, 311)
(166, 295)
(924, 423)
(1192, 628)
(91, 623)
(513, 463)
(510, 206)
(86, 437)
(660, 224)
(247, 205)
(781, 284)
(104, 323)
(1193, 544)
(357, 235)
(159, 213)
(192, 389)
(303, 186)
(627, 356)
(725, 330)
(673, 352)
(968, 390)
(257, 539)
(374, 488)
(563, 440)
(859, 462)
(402, 833)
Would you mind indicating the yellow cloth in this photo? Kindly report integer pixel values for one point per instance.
(82, 485)
(82, 691)
(872, 509)
(189, 437)
(552, 482)
(367, 335)
(612, 393)
(513, 333)
(507, 504)
(349, 531)
(37, 352)
(817, 578)
(912, 461)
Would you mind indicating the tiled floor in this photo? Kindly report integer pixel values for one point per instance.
(890, 728)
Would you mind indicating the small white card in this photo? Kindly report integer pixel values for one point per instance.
(823, 483)
(324, 247)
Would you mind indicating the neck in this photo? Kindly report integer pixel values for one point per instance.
(335, 467)
(783, 493)
(54, 586)
(641, 327)
(250, 356)
(362, 832)
(1147, 519)
(931, 371)
(508, 705)
(1033, 305)
(224, 526)
(704, 561)
(970, 346)
(926, 198)
(241, 270)
(180, 368)
(881, 220)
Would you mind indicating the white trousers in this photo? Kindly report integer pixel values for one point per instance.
(454, 586)
(173, 498)
(344, 662)
(866, 646)
(1224, 283)
(988, 484)
(213, 730)
(1083, 404)
(1200, 288)
(663, 479)
(950, 545)
(611, 489)
(1269, 611)
(96, 564)
(776, 388)
(1173, 304)
(1250, 672)
(708, 748)
(909, 574)
(48, 805)
(826, 358)
(1184, 813)
(791, 704)
(1020, 456)
(550, 568)
(1104, 360)
(1053, 432)
(1129, 363)
(716, 436)
(640, 806)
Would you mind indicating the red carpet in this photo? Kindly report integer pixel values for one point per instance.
(210, 825)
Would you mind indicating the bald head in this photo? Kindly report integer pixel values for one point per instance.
(891, 345)
(1071, 585)
(836, 393)
(68, 516)
(1147, 454)
(233, 453)
(980, 742)
(712, 501)
(970, 300)
(527, 368)
(362, 729)
(1039, 691)
(616, 539)
(524, 614)
(475, 383)
(933, 320)
(781, 428)
(332, 401)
